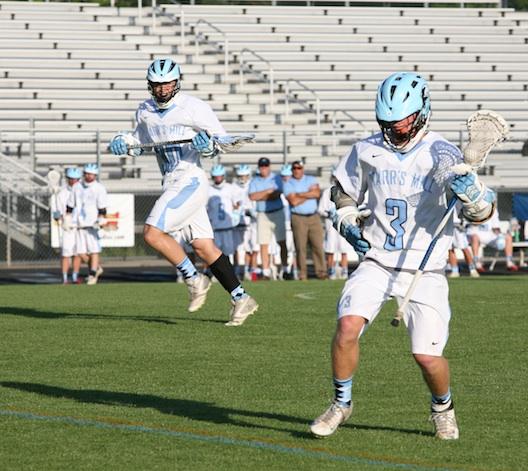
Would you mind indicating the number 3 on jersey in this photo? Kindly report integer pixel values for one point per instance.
(397, 208)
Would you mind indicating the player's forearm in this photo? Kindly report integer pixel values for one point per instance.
(260, 195)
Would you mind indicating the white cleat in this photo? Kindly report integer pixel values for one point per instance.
(241, 310)
(92, 280)
(98, 272)
(445, 425)
(327, 423)
(198, 287)
(453, 274)
(474, 273)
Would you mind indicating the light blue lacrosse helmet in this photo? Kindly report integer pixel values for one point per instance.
(401, 95)
(163, 71)
(242, 170)
(91, 168)
(73, 172)
(286, 170)
(218, 171)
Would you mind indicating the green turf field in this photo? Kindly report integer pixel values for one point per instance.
(122, 377)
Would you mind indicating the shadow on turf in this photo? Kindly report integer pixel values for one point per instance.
(35, 313)
(195, 410)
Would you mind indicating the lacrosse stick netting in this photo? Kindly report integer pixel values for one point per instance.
(486, 129)
(226, 143)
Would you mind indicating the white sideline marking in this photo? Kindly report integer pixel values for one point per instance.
(307, 296)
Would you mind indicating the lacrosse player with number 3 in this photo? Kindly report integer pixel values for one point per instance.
(182, 129)
(406, 171)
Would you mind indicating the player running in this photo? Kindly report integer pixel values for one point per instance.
(171, 115)
(393, 233)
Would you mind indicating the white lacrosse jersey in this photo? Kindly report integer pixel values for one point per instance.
(246, 205)
(221, 205)
(407, 194)
(87, 199)
(182, 120)
(59, 204)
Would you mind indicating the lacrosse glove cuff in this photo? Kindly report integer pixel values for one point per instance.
(478, 201)
(119, 145)
(346, 221)
(205, 145)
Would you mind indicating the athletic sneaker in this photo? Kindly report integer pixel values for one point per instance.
(92, 280)
(327, 423)
(198, 287)
(473, 273)
(480, 268)
(241, 310)
(98, 272)
(512, 267)
(453, 274)
(445, 424)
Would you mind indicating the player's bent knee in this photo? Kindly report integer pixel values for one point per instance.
(427, 361)
(349, 328)
(151, 235)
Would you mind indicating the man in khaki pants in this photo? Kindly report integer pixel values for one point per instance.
(303, 192)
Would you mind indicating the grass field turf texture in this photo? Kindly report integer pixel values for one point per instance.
(121, 376)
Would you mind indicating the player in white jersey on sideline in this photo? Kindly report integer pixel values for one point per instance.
(245, 234)
(68, 239)
(223, 210)
(86, 211)
(460, 242)
(334, 244)
(490, 234)
(393, 232)
(172, 115)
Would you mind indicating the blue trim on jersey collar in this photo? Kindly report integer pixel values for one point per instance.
(163, 111)
(402, 157)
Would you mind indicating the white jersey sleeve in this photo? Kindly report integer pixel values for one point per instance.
(407, 203)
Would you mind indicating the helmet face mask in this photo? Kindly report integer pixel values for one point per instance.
(163, 78)
(403, 109)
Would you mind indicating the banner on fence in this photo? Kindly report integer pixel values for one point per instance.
(119, 230)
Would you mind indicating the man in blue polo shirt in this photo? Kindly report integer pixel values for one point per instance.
(303, 192)
(266, 189)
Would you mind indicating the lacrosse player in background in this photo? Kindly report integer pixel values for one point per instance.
(460, 242)
(334, 243)
(245, 234)
(392, 232)
(68, 245)
(490, 234)
(86, 211)
(172, 115)
(223, 210)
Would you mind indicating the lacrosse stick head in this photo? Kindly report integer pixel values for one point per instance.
(486, 128)
(230, 143)
(53, 178)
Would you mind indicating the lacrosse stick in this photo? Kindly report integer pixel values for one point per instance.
(225, 143)
(486, 129)
(53, 178)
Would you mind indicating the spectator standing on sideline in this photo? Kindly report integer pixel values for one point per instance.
(89, 200)
(171, 115)
(68, 240)
(303, 192)
(460, 242)
(266, 190)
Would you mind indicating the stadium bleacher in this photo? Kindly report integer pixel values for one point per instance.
(73, 73)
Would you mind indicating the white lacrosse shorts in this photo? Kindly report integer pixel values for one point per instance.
(488, 239)
(334, 243)
(69, 243)
(182, 205)
(427, 315)
(460, 239)
(88, 241)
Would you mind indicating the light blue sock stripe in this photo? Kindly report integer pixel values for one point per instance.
(186, 268)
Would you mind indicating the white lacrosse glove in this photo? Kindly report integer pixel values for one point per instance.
(121, 142)
(204, 144)
(477, 199)
(347, 221)
(67, 222)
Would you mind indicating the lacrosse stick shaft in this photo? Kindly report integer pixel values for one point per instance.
(436, 236)
(159, 144)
